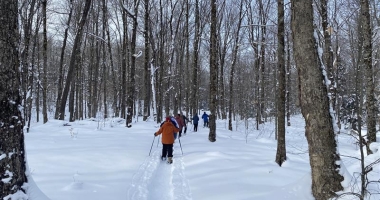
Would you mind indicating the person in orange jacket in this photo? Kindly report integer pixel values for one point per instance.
(167, 129)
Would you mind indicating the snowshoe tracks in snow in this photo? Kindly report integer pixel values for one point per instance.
(158, 180)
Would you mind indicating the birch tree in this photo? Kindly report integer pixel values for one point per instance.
(367, 62)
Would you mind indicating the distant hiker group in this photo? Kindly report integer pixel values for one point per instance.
(172, 128)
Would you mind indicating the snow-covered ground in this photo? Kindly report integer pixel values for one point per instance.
(97, 160)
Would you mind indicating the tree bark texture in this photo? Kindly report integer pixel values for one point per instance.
(213, 72)
(12, 152)
(369, 82)
(195, 68)
(281, 147)
(315, 105)
(132, 72)
(147, 73)
(45, 60)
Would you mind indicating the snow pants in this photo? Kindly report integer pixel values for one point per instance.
(167, 150)
(195, 127)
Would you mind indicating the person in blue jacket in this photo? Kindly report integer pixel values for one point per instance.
(195, 122)
(205, 119)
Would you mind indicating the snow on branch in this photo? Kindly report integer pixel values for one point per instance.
(130, 13)
(136, 55)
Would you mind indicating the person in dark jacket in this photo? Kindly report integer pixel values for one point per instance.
(205, 119)
(167, 129)
(185, 121)
(180, 123)
(195, 122)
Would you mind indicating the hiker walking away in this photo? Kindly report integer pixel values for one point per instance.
(195, 122)
(205, 119)
(167, 129)
(185, 121)
(180, 123)
(174, 122)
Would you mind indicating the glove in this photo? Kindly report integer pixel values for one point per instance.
(155, 134)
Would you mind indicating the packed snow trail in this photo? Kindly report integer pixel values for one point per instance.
(157, 180)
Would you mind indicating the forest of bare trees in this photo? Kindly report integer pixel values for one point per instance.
(238, 59)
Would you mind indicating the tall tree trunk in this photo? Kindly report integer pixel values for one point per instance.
(187, 88)
(281, 93)
(324, 158)
(61, 61)
(367, 62)
(197, 35)
(27, 22)
(288, 80)
(72, 98)
(13, 165)
(263, 18)
(328, 54)
(132, 72)
(74, 58)
(233, 65)
(44, 56)
(213, 72)
(147, 73)
(359, 103)
(104, 65)
(94, 100)
(115, 105)
(124, 65)
(32, 74)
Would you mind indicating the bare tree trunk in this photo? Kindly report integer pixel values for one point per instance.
(32, 74)
(281, 93)
(195, 68)
(187, 88)
(359, 105)
(147, 72)
(94, 100)
(263, 21)
(72, 97)
(288, 81)
(74, 58)
(124, 65)
(233, 65)
(104, 65)
(324, 158)
(60, 70)
(11, 131)
(26, 22)
(115, 105)
(213, 72)
(131, 75)
(328, 56)
(44, 56)
(367, 62)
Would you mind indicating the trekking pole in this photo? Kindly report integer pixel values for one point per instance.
(152, 145)
(180, 144)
